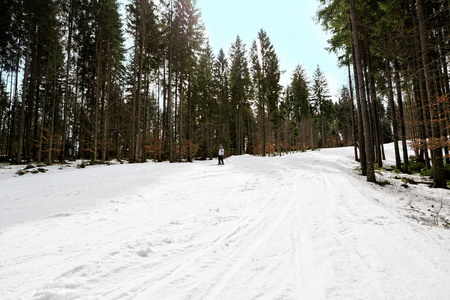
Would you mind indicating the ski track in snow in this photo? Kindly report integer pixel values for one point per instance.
(301, 226)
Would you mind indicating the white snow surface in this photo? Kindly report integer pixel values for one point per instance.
(300, 226)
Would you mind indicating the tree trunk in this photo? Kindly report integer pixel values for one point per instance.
(375, 118)
(105, 114)
(398, 163)
(137, 117)
(436, 152)
(41, 135)
(145, 119)
(353, 113)
(134, 92)
(189, 125)
(24, 96)
(13, 130)
(264, 130)
(165, 126)
(362, 148)
(322, 128)
(169, 93)
(30, 107)
(402, 118)
(365, 115)
(97, 90)
(66, 88)
(180, 154)
(52, 125)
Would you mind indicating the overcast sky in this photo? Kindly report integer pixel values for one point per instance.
(290, 26)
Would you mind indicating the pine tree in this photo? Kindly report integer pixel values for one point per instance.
(239, 90)
(300, 101)
(206, 103)
(321, 103)
(266, 76)
(222, 91)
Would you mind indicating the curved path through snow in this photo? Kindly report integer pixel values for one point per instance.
(301, 226)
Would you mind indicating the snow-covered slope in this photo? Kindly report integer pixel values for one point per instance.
(301, 226)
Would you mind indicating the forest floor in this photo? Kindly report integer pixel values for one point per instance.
(300, 226)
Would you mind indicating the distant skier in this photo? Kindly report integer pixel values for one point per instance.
(221, 153)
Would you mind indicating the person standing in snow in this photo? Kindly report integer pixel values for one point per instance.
(221, 153)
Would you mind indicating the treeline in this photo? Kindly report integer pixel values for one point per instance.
(77, 83)
(399, 52)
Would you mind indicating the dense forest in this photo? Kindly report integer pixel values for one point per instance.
(78, 80)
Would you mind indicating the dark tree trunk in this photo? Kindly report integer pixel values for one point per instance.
(398, 163)
(66, 88)
(353, 113)
(169, 95)
(364, 108)
(375, 118)
(361, 143)
(189, 125)
(24, 96)
(402, 118)
(436, 152)
(52, 125)
(180, 154)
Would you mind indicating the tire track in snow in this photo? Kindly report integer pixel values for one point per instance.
(367, 232)
(264, 265)
(217, 264)
(239, 258)
(224, 250)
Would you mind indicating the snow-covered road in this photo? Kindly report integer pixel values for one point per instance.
(301, 226)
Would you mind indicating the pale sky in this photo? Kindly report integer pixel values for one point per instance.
(290, 25)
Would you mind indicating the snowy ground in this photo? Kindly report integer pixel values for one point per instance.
(301, 226)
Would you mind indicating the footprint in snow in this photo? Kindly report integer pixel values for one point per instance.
(144, 252)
